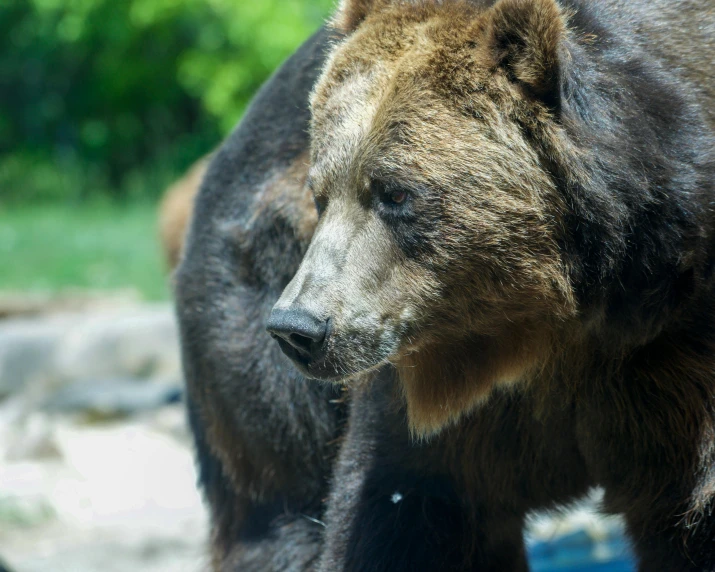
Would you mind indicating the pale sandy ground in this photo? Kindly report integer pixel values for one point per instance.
(88, 484)
(120, 496)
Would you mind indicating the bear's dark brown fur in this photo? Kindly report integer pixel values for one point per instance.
(517, 213)
(265, 436)
(573, 345)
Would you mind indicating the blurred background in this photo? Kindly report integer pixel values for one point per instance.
(104, 104)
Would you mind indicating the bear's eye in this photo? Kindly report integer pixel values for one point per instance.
(397, 197)
(389, 195)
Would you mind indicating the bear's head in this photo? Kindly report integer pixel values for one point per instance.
(437, 248)
(440, 244)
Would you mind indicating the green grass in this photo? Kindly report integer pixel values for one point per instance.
(51, 248)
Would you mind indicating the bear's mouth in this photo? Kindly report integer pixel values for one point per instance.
(337, 363)
(312, 365)
(323, 369)
(300, 358)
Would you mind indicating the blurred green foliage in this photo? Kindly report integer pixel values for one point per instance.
(117, 97)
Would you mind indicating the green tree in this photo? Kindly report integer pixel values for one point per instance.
(100, 96)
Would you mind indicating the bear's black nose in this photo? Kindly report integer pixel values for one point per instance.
(299, 333)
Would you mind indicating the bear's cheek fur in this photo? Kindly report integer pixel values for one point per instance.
(502, 297)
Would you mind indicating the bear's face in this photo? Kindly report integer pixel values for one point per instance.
(437, 247)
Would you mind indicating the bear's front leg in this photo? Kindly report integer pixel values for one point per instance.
(456, 502)
(649, 439)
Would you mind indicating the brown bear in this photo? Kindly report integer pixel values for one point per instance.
(516, 213)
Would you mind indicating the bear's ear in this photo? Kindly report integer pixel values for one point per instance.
(351, 13)
(525, 38)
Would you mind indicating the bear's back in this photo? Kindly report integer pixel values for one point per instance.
(680, 34)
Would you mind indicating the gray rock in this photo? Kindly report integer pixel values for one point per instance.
(27, 353)
(113, 397)
(31, 439)
(142, 343)
(138, 342)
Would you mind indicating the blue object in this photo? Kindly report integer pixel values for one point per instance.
(579, 552)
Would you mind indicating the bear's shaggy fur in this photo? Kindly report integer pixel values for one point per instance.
(516, 203)
(517, 200)
(558, 183)
(265, 436)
